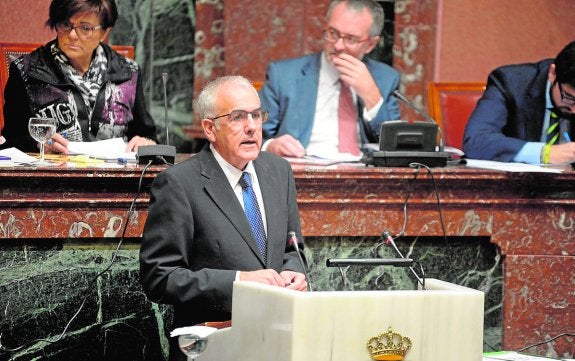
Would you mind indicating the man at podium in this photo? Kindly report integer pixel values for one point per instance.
(222, 215)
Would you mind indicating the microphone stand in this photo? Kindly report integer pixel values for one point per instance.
(395, 262)
(166, 123)
(427, 117)
(293, 240)
(344, 262)
(389, 239)
(402, 143)
(159, 153)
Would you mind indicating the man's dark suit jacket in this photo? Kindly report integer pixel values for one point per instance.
(510, 113)
(197, 236)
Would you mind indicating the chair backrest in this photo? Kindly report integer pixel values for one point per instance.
(451, 104)
(12, 51)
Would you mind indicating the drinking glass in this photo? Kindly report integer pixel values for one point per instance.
(42, 129)
(192, 345)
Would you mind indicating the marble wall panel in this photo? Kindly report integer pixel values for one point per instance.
(44, 283)
(534, 293)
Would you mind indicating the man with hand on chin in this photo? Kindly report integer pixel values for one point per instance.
(334, 101)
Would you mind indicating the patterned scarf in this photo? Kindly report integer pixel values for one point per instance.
(90, 83)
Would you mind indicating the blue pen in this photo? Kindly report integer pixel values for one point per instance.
(566, 136)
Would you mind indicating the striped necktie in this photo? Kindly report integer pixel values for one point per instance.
(553, 129)
(253, 214)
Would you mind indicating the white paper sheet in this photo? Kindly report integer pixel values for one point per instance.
(514, 356)
(510, 166)
(16, 156)
(109, 149)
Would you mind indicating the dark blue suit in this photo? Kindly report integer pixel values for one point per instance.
(509, 114)
(290, 93)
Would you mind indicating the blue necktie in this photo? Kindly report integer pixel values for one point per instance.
(252, 211)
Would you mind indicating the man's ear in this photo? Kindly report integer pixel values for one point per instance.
(209, 127)
(552, 75)
(372, 43)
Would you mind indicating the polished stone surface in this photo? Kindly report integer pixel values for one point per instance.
(508, 234)
(44, 282)
(442, 323)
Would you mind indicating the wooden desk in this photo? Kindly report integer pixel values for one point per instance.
(530, 216)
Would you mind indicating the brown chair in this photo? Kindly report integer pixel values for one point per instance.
(451, 104)
(11, 51)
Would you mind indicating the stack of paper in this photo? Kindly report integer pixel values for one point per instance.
(109, 149)
(13, 156)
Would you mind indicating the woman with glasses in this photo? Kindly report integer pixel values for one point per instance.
(92, 91)
(526, 113)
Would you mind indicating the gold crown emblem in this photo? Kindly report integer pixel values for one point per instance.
(389, 346)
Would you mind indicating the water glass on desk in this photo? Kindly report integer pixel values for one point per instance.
(42, 129)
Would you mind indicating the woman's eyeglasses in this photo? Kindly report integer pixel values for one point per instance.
(84, 31)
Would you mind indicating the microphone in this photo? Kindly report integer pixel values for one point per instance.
(402, 142)
(344, 262)
(295, 242)
(389, 240)
(159, 153)
(164, 82)
(427, 117)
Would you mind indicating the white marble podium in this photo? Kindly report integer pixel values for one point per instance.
(444, 323)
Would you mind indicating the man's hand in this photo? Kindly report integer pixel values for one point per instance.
(286, 146)
(295, 280)
(354, 73)
(267, 276)
(562, 153)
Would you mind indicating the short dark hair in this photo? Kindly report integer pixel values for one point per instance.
(376, 11)
(62, 10)
(565, 65)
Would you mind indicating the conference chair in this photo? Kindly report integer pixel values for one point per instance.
(451, 104)
(11, 51)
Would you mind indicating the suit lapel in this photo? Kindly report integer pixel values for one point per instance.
(219, 190)
(537, 95)
(307, 83)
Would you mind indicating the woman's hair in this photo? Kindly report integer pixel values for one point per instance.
(62, 10)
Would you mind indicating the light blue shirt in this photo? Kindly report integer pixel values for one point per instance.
(531, 151)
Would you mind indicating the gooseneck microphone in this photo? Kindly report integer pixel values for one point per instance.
(295, 242)
(344, 262)
(389, 240)
(159, 153)
(427, 117)
(166, 122)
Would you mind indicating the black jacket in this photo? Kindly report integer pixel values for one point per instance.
(38, 87)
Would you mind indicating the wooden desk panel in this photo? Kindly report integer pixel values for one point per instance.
(532, 223)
